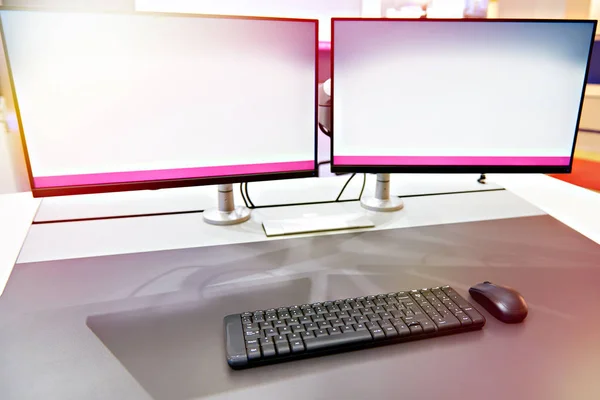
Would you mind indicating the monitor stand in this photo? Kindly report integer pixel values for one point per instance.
(227, 213)
(382, 201)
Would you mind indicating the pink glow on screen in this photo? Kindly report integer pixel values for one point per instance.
(169, 174)
(324, 45)
(448, 160)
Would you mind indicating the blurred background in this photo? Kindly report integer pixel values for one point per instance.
(586, 173)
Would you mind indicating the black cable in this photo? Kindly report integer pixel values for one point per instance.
(242, 193)
(363, 186)
(323, 163)
(248, 196)
(344, 188)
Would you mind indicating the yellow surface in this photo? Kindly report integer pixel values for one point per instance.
(587, 155)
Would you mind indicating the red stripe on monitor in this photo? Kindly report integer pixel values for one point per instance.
(469, 161)
(170, 174)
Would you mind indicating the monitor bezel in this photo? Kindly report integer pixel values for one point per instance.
(452, 169)
(168, 183)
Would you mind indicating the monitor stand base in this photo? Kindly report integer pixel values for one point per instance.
(227, 213)
(382, 202)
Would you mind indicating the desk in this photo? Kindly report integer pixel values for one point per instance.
(127, 326)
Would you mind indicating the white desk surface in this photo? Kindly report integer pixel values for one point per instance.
(16, 213)
(572, 205)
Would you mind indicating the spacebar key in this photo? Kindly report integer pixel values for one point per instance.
(345, 339)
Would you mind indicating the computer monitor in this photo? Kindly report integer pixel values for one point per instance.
(453, 96)
(129, 101)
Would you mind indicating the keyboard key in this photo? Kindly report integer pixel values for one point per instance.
(390, 331)
(336, 322)
(371, 325)
(266, 340)
(329, 316)
(268, 350)
(332, 309)
(444, 324)
(374, 317)
(279, 323)
(280, 338)
(283, 348)
(401, 327)
(271, 332)
(271, 317)
(246, 314)
(321, 332)
(285, 330)
(334, 331)
(307, 335)
(311, 327)
(304, 320)
(349, 338)
(355, 313)
(348, 321)
(377, 334)
(415, 329)
(296, 313)
(385, 324)
(464, 319)
(427, 326)
(284, 315)
(347, 328)
(251, 334)
(298, 328)
(324, 325)
(251, 342)
(475, 316)
(318, 318)
(253, 352)
(309, 312)
(265, 325)
(258, 318)
(342, 314)
(246, 320)
(297, 346)
(360, 327)
(250, 327)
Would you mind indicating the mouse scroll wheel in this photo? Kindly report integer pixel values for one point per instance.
(487, 283)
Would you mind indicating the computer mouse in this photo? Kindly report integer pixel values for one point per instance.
(504, 303)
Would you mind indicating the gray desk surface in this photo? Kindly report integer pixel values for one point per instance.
(149, 326)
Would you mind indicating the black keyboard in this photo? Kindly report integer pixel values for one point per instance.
(281, 334)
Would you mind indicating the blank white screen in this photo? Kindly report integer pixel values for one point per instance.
(102, 93)
(506, 91)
